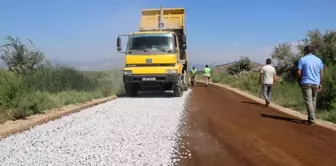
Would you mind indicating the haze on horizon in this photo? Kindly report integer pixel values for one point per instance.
(217, 31)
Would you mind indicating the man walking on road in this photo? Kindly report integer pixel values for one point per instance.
(309, 73)
(207, 74)
(267, 78)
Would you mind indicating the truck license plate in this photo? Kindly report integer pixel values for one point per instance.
(149, 79)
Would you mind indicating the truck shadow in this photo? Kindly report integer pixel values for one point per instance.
(149, 94)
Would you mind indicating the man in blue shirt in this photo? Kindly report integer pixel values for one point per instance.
(310, 71)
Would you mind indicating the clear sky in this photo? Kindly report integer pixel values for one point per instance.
(218, 31)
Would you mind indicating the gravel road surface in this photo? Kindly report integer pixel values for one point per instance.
(224, 128)
(218, 127)
(126, 131)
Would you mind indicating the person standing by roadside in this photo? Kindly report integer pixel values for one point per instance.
(309, 74)
(193, 75)
(207, 74)
(267, 78)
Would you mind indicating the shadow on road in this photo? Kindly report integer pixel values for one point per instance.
(254, 103)
(197, 85)
(299, 121)
(149, 94)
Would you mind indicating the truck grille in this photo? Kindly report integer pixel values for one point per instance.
(149, 65)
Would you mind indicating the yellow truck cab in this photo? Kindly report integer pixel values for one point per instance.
(155, 56)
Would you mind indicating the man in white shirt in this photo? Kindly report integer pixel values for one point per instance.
(267, 78)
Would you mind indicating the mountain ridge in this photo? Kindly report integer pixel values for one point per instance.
(112, 63)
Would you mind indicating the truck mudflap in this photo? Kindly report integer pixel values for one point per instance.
(151, 78)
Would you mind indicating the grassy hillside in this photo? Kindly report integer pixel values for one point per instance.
(48, 88)
(29, 85)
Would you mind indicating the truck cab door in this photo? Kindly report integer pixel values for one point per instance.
(176, 46)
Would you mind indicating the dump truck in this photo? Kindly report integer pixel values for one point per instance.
(155, 55)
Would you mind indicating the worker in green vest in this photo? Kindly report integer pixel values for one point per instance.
(193, 75)
(207, 74)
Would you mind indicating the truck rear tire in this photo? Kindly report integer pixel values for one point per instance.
(178, 92)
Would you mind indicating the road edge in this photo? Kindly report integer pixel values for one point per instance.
(13, 127)
(320, 122)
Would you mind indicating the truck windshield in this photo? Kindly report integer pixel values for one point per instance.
(151, 43)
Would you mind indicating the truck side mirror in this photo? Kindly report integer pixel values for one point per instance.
(184, 46)
(119, 48)
(184, 39)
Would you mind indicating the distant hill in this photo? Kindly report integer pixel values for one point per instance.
(110, 63)
(199, 67)
(224, 67)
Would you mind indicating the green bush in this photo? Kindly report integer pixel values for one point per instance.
(19, 97)
(11, 87)
(31, 85)
(328, 115)
(60, 78)
(327, 97)
(244, 64)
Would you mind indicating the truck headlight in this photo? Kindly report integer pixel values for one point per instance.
(171, 71)
(127, 72)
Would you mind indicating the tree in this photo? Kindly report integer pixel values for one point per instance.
(324, 44)
(285, 59)
(244, 64)
(324, 47)
(19, 58)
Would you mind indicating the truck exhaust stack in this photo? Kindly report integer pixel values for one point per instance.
(161, 19)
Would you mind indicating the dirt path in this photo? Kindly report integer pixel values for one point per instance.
(224, 128)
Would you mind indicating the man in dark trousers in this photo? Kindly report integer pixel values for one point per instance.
(267, 78)
(309, 73)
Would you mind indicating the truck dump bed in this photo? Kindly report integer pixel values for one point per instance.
(173, 19)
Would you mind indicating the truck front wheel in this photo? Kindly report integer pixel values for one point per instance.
(178, 92)
(130, 90)
(186, 81)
